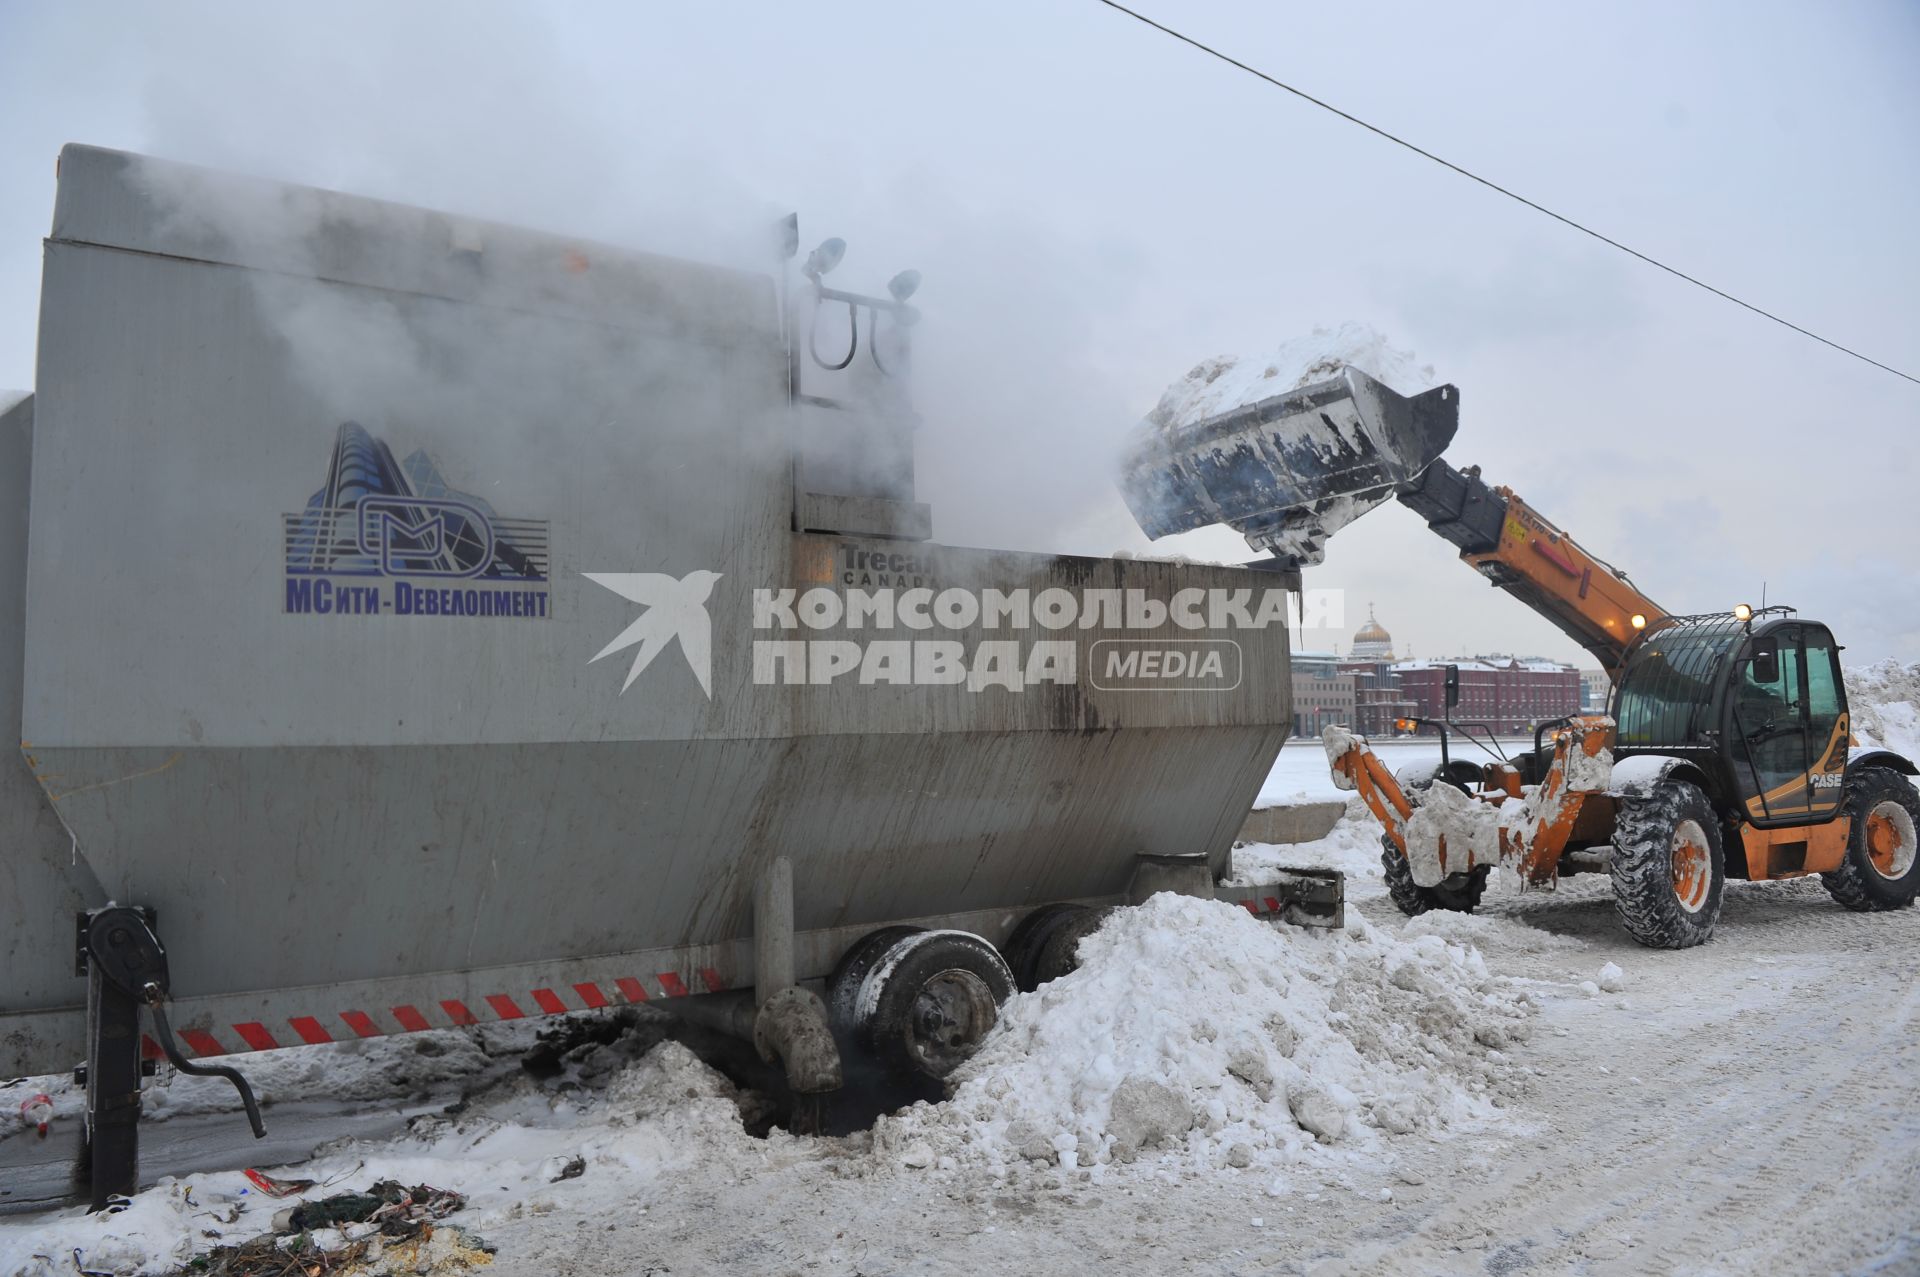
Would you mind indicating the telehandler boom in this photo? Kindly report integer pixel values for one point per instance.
(1522, 552)
(1726, 749)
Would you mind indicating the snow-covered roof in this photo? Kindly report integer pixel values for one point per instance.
(1490, 663)
(1436, 665)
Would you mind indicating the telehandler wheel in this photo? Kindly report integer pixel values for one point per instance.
(1458, 892)
(1880, 870)
(1669, 871)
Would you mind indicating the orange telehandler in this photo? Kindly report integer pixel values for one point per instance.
(1725, 751)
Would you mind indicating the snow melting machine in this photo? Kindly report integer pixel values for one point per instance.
(408, 631)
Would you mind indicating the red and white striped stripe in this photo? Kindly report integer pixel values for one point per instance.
(1260, 906)
(254, 1035)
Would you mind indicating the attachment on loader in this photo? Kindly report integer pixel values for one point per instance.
(1449, 831)
(1300, 897)
(1289, 471)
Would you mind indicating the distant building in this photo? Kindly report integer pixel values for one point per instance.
(1321, 693)
(1508, 694)
(1378, 701)
(1371, 642)
(1595, 690)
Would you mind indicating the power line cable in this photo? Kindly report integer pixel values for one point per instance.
(1210, 51)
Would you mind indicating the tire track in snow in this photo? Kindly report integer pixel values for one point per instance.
(1774, 1126)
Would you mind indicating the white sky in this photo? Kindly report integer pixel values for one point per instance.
(1096, 208)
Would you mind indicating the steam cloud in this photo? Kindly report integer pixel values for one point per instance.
(1093, 216)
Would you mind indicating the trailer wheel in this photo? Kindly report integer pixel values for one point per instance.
(1045, 944)
(1029, 937)
(1668, 868)
(1880, 869)
(843, 986)
(922, 1001)
(1459, 893)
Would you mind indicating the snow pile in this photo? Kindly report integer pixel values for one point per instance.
(1194, 1031)
(418, 1064)
(1884, 699)
(1194, 1036)
(154, 1234)
(1352, 846)
(419, 1067)
(634, 1127)
(1490, 935)
(1229, 381)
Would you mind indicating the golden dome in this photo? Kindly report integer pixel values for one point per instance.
(1371, 632)
(1371, 641)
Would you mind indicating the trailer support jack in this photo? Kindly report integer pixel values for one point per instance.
(126, 968)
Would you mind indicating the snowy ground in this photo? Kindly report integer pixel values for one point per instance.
(1300, 772)
(1524, 1090)
(1743, 1107)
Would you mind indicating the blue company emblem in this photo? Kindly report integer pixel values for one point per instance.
(379, 523)
(417, 536)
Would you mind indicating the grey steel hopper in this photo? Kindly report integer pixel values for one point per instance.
(350, 738)
(1289, 471)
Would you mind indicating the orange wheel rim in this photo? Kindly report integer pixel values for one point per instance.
(1890, 840)
(1692, 866)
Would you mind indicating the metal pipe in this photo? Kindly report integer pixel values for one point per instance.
(861, 299)
(728, 1013)
(853, 337)
(792, 1028)
(773, 930)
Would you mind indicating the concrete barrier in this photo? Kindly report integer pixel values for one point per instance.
(1292, 822)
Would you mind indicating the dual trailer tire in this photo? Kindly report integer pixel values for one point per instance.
(921, 1002)
(1045, 944)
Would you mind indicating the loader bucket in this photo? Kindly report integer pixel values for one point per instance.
(1289, 471)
